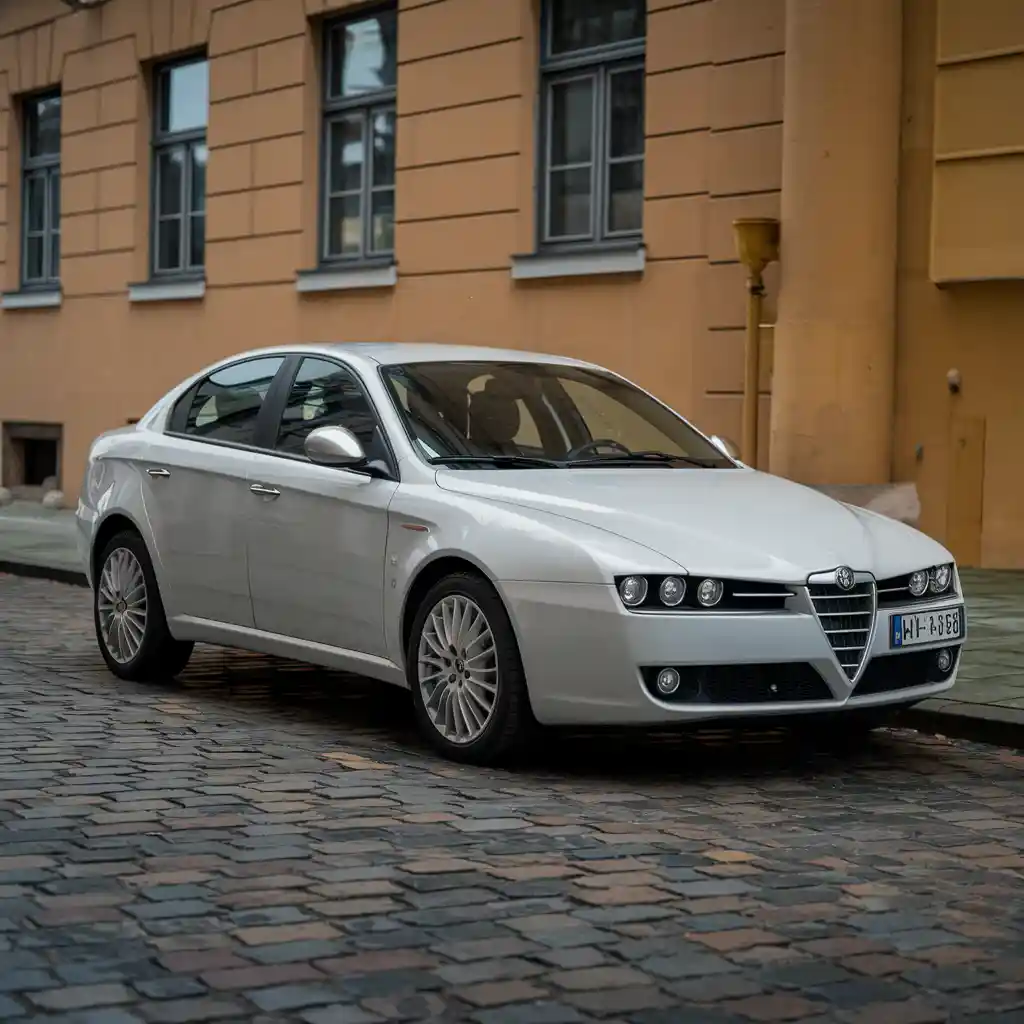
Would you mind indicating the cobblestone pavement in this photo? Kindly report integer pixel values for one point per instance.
(269, 843)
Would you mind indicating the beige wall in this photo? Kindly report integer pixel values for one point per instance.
(466, 95)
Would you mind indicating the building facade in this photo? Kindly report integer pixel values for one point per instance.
(183, 179)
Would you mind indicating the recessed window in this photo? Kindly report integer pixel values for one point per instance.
(358, 208)
(592, 131)
(180, 155)
(40, 247)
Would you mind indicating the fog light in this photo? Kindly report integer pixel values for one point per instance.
(667, 682)
(940, 578)
(709, 593)
(633, 590)
(918, 582)
(944, 660)
(672, 591)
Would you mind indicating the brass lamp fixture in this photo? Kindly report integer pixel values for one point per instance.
(757, 243)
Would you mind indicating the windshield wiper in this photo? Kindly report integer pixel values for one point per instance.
(644, 458)
(511, 461)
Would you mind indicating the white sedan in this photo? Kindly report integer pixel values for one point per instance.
(515, 538)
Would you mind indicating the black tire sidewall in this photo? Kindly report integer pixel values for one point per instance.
(155, 633)
(511, 701)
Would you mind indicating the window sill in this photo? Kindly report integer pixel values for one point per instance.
(583, 262)
(343, 279)
(32, 298)
(173, 290)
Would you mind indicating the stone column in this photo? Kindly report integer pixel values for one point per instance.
(832, 391)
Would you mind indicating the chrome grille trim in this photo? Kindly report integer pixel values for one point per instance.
(847, 619)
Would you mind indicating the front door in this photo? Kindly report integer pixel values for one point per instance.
(316, 535)
(195, 486)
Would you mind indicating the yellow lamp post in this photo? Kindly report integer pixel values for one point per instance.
(757, 242)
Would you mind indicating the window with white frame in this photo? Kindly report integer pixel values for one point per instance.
(358, 148)
(592, 128)
(40, 214)
(181, 112)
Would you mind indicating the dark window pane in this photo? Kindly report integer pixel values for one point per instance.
(55, 255)
(572, 122)
(200, 155)
(324, 395)
(227, 403)
(384, 148)
(168, 244)
(346, 149)
(362, 56)
(42, 124)
(35, 202)
(582, 24)
(344, 226)
(184, 97)
(627, 113)
(382, 228)
(569, 201)
(197, 241)
(626, 196)
(34, 258)
(54, 199)
(170, 175)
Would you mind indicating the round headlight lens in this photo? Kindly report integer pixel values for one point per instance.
(709, 593)
(667, 681)
(633, 590)
(941, 576)
(672, 591)
(918, 582)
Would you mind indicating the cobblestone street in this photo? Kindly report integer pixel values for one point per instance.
(266, 842)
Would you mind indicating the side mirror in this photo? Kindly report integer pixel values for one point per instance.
(334, 446)
(726, 447)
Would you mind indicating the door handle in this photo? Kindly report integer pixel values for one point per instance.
(264, 491)
(158, 472)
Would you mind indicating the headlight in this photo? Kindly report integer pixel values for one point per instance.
(633, 590)
(672, 591)
(709, 593)
(919, 582)
(940, 578)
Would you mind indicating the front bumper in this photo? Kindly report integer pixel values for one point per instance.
(584, 656)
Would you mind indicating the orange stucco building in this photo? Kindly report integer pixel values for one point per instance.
(182, 179)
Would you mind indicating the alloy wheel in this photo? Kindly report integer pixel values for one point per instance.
(457, 669)
(122, 604)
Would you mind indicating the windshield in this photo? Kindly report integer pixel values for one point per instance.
(526, 415)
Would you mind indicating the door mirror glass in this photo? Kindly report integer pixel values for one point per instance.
(334, 446)
(726, 447)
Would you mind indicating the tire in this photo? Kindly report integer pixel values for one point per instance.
(510, 722)
(158, 656)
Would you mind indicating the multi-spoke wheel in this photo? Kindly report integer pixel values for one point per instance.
(130, 623)
(465, 673)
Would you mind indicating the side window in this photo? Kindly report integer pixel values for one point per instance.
(226, 405)
(325, 394)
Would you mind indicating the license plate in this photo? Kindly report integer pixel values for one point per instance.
(912, 628)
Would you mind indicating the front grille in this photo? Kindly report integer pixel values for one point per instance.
(743, 684)
(902, 672)
(846, 616)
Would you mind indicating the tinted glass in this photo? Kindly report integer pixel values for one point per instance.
(226, 405)
(324, 394)
(461, 409)
(572, 122)
(42, 127)
(361, 56)
(584, 24)
(184, 97)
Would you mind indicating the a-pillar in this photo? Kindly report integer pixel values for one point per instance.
(834, 360)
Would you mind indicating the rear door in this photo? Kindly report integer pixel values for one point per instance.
(196, 492)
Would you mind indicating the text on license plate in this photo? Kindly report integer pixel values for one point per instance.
(911, 628)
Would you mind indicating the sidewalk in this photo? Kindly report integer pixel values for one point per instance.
(986, 704)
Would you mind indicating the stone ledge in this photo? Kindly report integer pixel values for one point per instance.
(897, 501)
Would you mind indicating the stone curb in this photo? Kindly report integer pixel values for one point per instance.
(74, 577)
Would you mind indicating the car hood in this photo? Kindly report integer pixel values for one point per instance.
(736, 523)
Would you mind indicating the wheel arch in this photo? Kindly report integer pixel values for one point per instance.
(113, 524)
